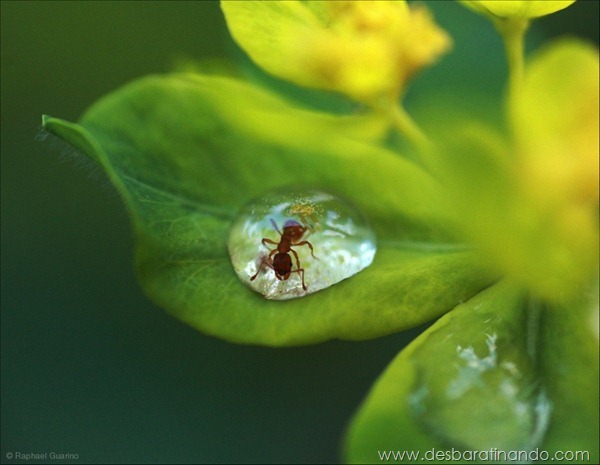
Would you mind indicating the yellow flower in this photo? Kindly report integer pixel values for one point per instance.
(532, 203)
(555, 123)
(367, 50)
(555, 120)
(521, 9)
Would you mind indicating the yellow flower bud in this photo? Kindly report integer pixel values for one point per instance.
(367, 50)
(555, 119)
(521, 9)
(555, 122)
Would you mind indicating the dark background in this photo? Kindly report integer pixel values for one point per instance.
(89, 365)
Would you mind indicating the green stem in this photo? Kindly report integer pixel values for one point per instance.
(408, 127)
(513, 33)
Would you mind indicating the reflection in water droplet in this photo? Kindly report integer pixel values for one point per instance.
(482, 400)
(343, 243)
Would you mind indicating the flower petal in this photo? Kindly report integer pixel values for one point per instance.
(518, 8)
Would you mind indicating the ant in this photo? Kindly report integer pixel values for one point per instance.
(281, 263)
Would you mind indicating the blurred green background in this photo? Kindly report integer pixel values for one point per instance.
(89, 365)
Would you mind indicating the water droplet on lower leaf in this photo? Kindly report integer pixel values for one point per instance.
(342, 241)
(483, 400)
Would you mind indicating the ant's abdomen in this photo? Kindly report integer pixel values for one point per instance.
(282, 264)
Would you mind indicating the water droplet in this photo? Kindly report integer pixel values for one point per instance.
(342, 242)
(493, 386)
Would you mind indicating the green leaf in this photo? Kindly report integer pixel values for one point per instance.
(468, 382)
(187, 151)
(570, 366)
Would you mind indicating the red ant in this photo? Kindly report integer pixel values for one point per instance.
(281, 263)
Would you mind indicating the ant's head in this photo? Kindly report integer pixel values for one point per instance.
(291, 224)
(294, 230)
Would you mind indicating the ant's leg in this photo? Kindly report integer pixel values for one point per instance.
(265, 261)
(266, 241)
(297, 259)
(262, 263)
(300, 271)
(275, 226)
(312, 251)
